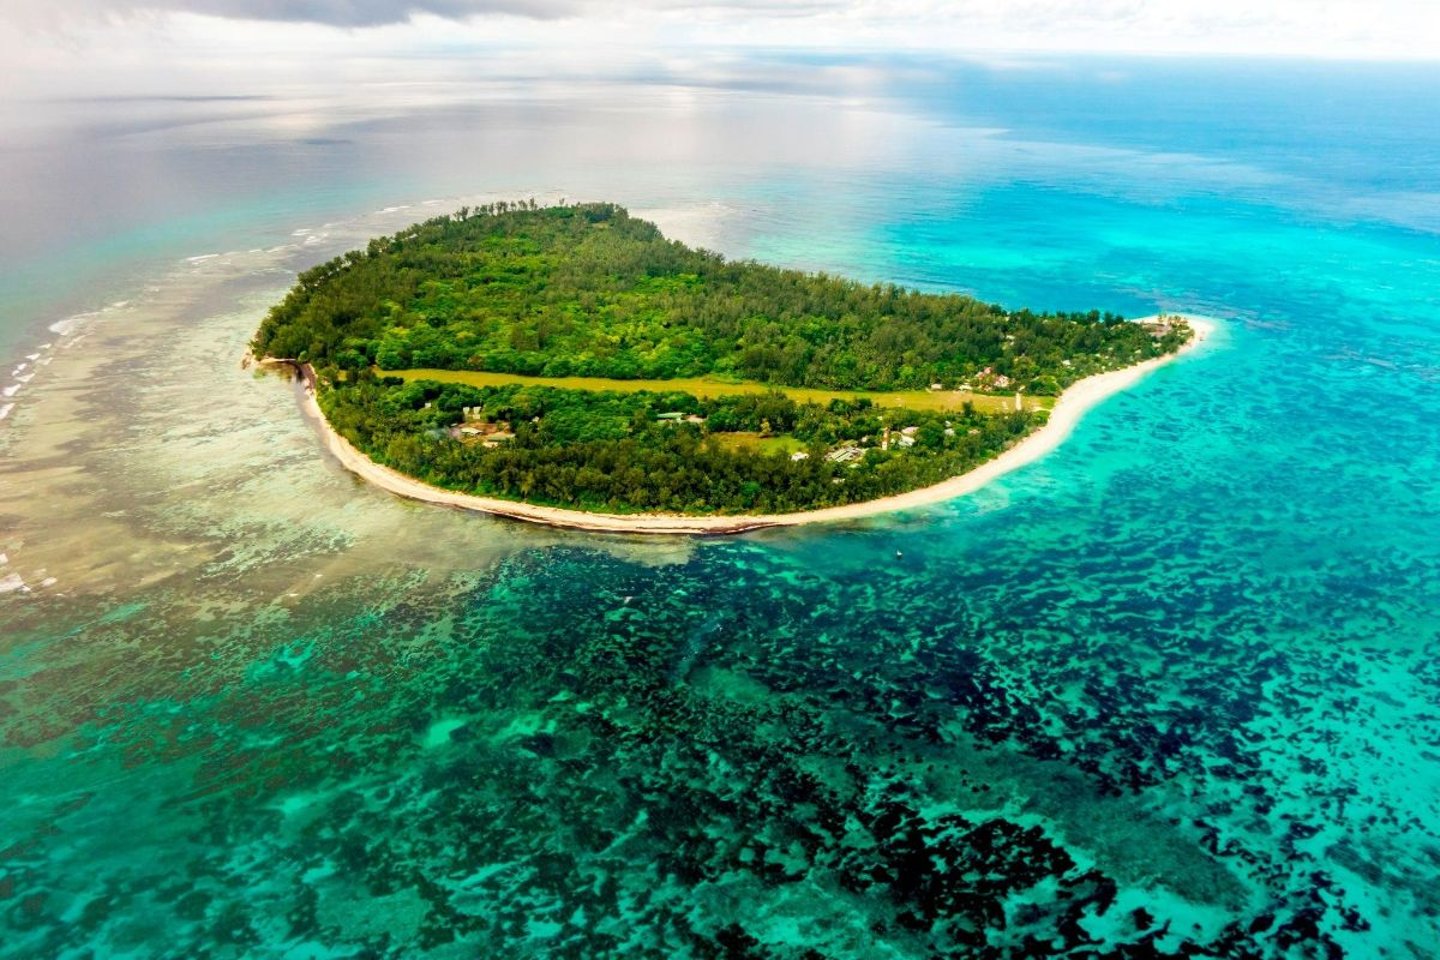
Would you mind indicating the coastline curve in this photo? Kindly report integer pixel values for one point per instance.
(1067, 412)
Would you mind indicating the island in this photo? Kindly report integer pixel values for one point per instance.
(569, 365)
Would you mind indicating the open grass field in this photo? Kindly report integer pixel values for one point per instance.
(706, 387)
(783, 443)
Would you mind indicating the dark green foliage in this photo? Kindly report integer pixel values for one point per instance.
(589, 291)
(609, 451)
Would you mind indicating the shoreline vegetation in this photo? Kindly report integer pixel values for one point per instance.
(571, 366)
(1069, 408)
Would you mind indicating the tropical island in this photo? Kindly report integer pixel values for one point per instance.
(570, 365)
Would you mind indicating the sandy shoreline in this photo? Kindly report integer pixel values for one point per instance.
(1068, 410)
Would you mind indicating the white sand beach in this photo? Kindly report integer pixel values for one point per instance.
(1068, 410)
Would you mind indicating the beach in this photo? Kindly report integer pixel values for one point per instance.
(1067, 412)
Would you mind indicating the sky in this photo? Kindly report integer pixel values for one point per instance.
(57, 48)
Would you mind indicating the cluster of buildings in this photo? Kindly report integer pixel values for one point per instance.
(489, 434)
(988, 379)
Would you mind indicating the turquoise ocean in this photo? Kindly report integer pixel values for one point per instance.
(1171, 691)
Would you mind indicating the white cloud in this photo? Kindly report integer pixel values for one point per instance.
(1396, 27)
(61, 45)
(340, 13)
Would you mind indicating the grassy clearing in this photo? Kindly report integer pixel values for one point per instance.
(753, 441)
(706, 387)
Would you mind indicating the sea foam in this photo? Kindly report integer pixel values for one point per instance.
(69, 325)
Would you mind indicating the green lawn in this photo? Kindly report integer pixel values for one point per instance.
(753, 441)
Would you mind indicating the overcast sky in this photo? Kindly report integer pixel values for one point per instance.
(50, 47)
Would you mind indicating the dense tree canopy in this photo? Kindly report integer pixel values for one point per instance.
(612, 451)
(590, 291)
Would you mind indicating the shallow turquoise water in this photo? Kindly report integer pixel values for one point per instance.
(1171, 691)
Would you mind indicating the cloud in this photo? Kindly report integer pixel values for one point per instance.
(366, 13)
(1346, 28)
(336, 13)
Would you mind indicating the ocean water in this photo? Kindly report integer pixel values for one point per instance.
(1170, 691)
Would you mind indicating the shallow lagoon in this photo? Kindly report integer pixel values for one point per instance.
(1173, 686)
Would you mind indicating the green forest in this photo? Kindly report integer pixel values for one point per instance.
(588, 290)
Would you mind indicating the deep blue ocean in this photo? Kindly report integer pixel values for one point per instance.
(1171, 691)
